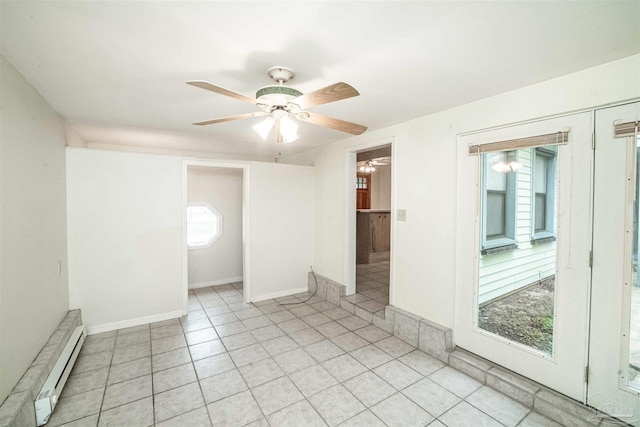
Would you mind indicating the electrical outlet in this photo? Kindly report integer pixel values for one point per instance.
(402, 215)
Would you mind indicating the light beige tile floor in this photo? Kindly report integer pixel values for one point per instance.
(372, 287)
(308, 364)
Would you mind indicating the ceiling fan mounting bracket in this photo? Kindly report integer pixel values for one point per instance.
(281, 74)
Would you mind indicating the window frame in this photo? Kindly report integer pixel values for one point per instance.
(549, 234)
(508, 242)
(216, 236)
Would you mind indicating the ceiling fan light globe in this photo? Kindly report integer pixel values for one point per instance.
(290, 138)
(288, 129)
(264, 127)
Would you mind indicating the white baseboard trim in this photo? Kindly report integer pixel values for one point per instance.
(279, 294)
(106, 327)
(216, 282)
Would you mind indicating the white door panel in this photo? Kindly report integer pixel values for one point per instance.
(612, 387)
(562, 368)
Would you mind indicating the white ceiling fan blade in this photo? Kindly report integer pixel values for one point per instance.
(330, 122)
(230, 118)
(335, 92)
(223, 91)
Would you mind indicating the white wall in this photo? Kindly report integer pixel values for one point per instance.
(424, 268)
(281, 228)
(222, 189)
(125, 236)
(381, 188)
(126, 242)
(33, 296)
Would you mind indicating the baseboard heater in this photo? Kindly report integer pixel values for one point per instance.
(48, 397)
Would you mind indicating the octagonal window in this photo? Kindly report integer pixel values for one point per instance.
(204, 226)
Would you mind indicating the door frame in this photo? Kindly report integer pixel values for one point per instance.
(246, 244)
(350, 213)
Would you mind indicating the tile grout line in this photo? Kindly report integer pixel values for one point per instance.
(193, 365)
(104, 393)
(153, 394)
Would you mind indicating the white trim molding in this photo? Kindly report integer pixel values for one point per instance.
(226, 281)
(106, 327)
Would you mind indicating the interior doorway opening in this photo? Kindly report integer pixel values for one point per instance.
(214, 200)
(371, 232)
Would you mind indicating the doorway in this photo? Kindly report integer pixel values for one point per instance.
(551, 233)
(214, 204)
(370, 234)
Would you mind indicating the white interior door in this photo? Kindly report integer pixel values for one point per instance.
(614, 354)
(524, 231)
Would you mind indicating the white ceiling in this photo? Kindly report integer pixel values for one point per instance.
(117, 70)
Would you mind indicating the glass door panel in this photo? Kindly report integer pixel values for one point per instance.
(517, 258)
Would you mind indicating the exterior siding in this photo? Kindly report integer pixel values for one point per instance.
(505, 272)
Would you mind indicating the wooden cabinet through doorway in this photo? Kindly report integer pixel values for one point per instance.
(373, 240)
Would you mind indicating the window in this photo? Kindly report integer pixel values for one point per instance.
(499, 201)
(363, 191)
(204, 226)
(543, 188)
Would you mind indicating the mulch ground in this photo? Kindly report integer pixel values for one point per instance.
(525, 317)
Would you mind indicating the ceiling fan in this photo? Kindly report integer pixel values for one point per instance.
(282, 103)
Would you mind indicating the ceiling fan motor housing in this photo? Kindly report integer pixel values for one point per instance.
(277, 95)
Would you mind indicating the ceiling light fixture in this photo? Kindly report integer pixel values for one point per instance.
(264, 127)
(288, 128)
(367, 167)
